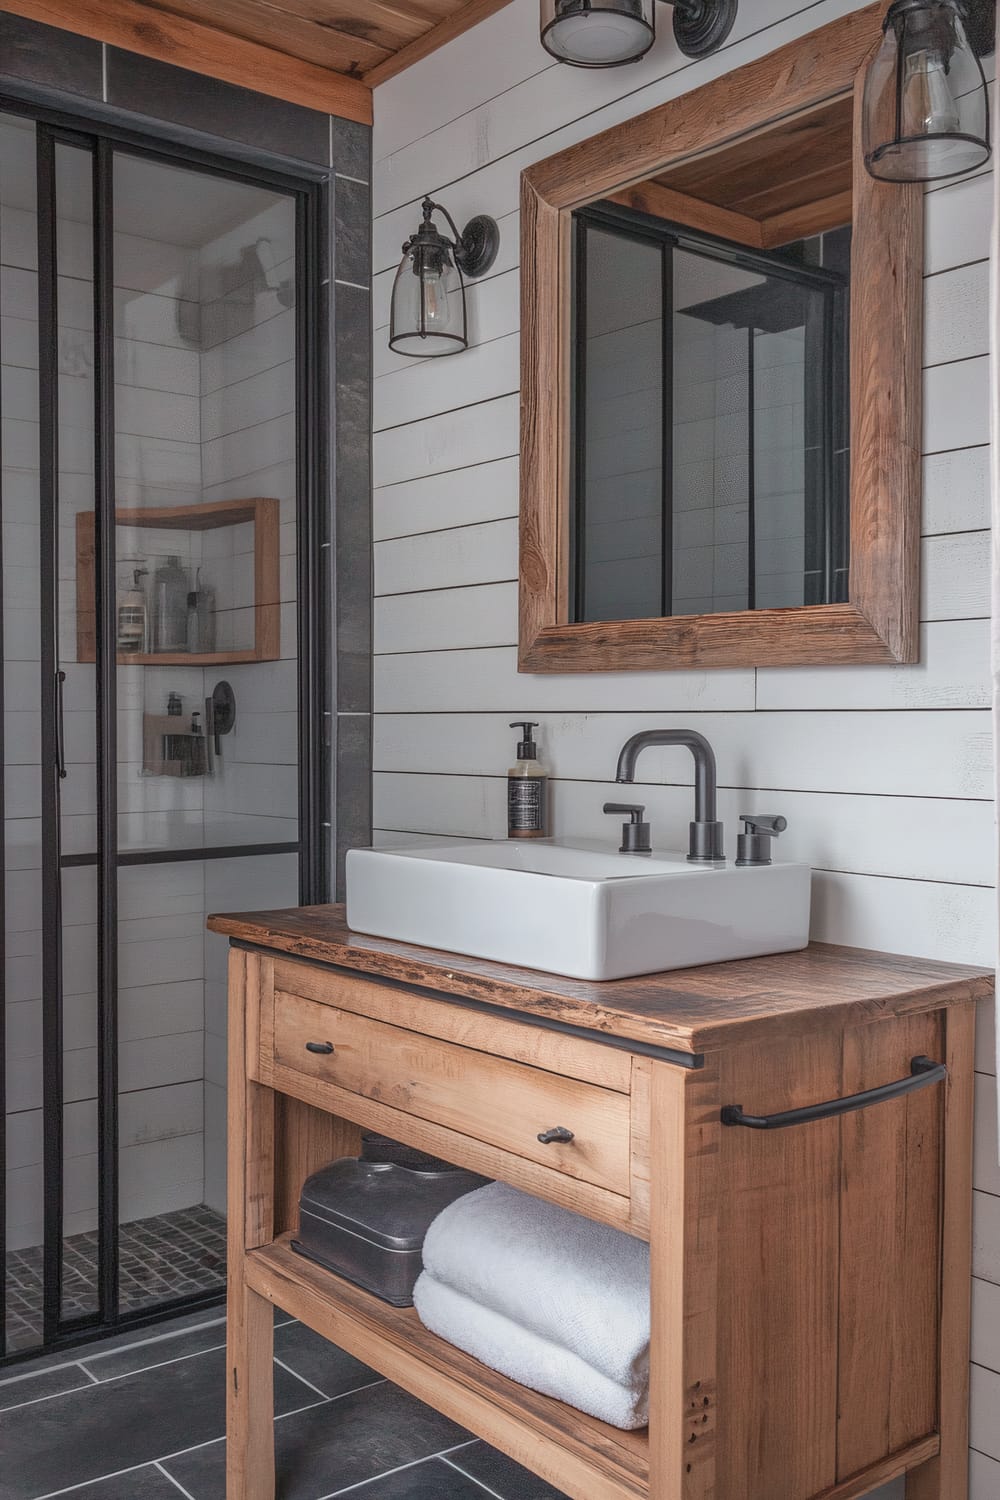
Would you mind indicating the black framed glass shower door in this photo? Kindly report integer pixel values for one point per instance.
(164, 682)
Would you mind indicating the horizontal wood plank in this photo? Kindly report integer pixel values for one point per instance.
(692, 1010)
(570, 1057)
(584, 1456)
(153, 32)
(491, 1099)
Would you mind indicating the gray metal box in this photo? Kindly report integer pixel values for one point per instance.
(366, 1220)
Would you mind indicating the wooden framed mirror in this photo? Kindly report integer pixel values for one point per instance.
(721, 331)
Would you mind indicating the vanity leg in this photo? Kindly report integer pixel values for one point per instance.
(684, 1154)
(249, 1395)
(250, 1332)
(947, 1476)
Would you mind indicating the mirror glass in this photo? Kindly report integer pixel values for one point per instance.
(710, 408)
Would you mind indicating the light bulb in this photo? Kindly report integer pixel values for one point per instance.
(437, 306)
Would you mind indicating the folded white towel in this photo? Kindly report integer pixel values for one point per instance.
(581, 1285)
(526, 1357)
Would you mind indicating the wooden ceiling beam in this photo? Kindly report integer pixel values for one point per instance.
(284, 29)
(445, 31)
(152, 32)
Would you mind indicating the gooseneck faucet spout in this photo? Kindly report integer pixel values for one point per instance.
(706, 840)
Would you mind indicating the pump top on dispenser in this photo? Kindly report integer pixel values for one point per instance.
(527, 788)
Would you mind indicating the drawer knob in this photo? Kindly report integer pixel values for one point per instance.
(324, 1047)
(557, 1133)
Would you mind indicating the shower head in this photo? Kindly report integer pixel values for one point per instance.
(267, 262)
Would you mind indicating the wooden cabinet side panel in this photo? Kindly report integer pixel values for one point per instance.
(306, 1139)
(946, 1477)
(889, 1247)
(778, 1251)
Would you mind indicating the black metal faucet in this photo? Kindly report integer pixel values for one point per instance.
(706, 841)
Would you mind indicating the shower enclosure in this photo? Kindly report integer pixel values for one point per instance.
(163, 683)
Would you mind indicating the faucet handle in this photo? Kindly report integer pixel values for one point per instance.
(753, 847)
(635, 833)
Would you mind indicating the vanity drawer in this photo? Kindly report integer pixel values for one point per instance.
(490, 1099)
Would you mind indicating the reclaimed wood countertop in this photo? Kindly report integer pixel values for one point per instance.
(692, 1010)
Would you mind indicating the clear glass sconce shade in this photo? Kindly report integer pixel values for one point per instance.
(598, 33)
(428, 303)
(926, 109)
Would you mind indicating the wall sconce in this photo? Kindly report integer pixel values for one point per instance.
(428, 316)
(926, 107)
(607, 33)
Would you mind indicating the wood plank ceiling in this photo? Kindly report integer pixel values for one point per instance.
(288, 48)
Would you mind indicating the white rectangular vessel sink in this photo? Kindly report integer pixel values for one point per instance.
(579, 909)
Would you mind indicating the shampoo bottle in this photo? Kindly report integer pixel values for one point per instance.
(527, 788)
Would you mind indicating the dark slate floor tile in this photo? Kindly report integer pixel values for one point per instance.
(321, 1363)
(106, 1342)
(108, 1365)
(138, 1484)
(502, 1475)
(36, 1386)
(333, 1446)
(432, 1480)
(121, 1424)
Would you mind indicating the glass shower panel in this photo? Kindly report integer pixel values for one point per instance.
(207, 672)
(20, 690)
(76, 728)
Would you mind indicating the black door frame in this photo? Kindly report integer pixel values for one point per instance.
(309, 190)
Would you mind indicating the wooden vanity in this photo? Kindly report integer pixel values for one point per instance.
(810, 1313)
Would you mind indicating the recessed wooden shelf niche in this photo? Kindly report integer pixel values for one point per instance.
(263, 514)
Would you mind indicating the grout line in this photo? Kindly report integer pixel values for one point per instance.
(400, 1469)
(466, 1475)
(158, 1338)
(289, 1371)
(197, 1447)
(86, 1483)
(176, 1482)
(161, 1365)
(52, 1396)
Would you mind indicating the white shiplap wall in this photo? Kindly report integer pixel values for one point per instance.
(884, 773)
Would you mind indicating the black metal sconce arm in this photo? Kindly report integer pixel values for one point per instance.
(475, 247)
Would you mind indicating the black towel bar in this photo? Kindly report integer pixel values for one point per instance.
(922, 1073)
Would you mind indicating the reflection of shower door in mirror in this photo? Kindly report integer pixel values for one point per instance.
(162, 691)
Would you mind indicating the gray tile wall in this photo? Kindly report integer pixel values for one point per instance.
(58, 68)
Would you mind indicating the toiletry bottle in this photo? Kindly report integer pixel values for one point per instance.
(170, 591)
(527, 789)
(132, 617)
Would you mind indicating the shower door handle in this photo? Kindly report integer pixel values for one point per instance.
(60, 728)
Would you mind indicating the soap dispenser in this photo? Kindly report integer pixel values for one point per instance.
(527, 788)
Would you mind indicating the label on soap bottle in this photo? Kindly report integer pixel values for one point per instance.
(526, 806)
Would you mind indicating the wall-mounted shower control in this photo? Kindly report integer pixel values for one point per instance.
(753, 846)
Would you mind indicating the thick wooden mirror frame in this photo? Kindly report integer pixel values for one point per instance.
(880, 621)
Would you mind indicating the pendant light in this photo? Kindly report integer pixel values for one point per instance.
(607, 33)
(926, 106)
(428, 317)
